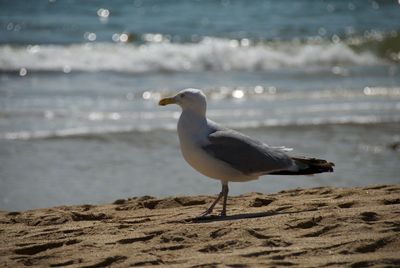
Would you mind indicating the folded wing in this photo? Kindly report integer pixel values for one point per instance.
(246, 154)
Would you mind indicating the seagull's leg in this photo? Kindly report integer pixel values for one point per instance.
(225, 191)
(210, 209)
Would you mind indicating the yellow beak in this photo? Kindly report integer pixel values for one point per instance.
(167, 101)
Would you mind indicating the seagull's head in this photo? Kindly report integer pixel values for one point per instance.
(189, 99)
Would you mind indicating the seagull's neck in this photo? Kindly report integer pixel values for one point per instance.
(192, 124)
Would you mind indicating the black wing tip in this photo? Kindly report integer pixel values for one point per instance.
(314, 166)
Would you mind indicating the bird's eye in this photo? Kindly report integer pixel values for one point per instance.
(182, 95)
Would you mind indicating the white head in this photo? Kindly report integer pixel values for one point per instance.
(189, 99)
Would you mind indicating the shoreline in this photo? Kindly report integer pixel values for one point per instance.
(315, 227)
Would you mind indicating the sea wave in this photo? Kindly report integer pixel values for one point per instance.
(107, 132)
(370, 105)
(214, 54)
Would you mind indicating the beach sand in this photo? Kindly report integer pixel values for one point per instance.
(318, 227)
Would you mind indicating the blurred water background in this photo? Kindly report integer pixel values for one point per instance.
(80, 82)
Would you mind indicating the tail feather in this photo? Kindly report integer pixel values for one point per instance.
(307, 166)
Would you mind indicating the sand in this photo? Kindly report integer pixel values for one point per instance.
(318, 227)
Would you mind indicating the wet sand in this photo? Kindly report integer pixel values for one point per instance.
(318, 227)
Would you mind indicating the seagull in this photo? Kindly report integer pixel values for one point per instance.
(228, 155)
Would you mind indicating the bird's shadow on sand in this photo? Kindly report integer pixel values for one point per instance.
(215, 218)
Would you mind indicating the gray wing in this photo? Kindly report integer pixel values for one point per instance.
(244, 153)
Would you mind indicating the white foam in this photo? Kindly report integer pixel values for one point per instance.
(208, 54)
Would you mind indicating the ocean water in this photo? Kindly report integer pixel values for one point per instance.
(80, 82)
